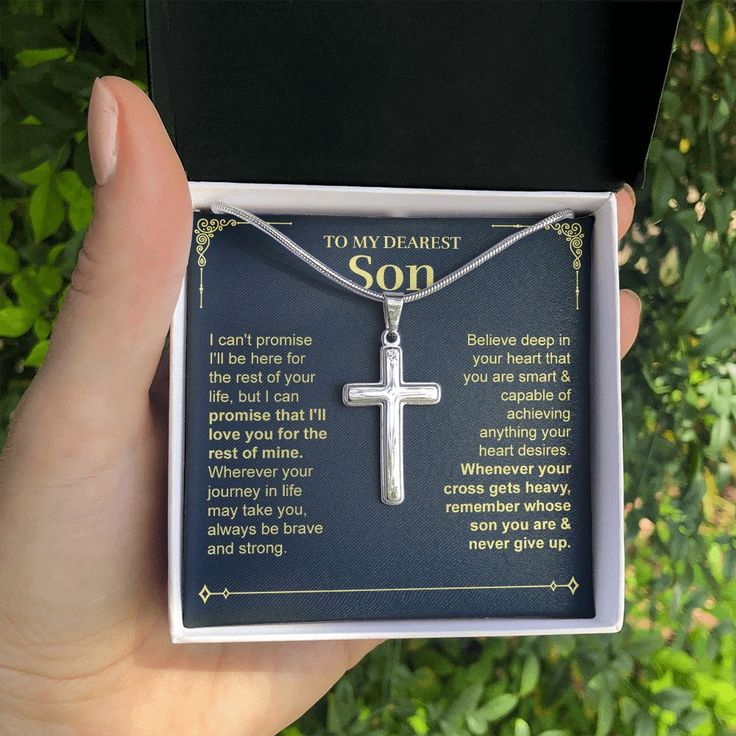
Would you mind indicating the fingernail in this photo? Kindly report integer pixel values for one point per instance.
(631, 194)
(633, 296)
(102, 127)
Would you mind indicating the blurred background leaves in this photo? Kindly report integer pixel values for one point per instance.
(672, 669)
(51, 54)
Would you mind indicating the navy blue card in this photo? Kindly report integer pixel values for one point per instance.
(283, 518)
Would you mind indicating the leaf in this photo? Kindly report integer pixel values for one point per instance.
(721, 116)
(644, 725)
(33, 57)
(690, 721)
(49, 280)
(340, 707)
(67, 258)
(695, 268)
(674, 698)
(69, 184)
(112, 26)
(720, 31)
(719, 434)
(39, 174)
(721, 336)
(42, 328)
(30, 294)
(663, 189)
(15, 321)
(46, 210)
(6, 218)
(476, 726)
(605, 714)
(37, 95)
(37, 354)
(32, 145)
(720, 208)
(27, 31)
(9, 260)
(75, 77)
(467, 701)
(418, 722)
(80, 200)
(529, 674)
(521, 728)
(498, 707)
(82, 163)
(704, 306)
(81, 210)
(629, 709)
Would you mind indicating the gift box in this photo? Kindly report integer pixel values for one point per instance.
(395, 141)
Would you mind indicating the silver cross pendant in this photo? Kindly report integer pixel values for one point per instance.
(391, 394)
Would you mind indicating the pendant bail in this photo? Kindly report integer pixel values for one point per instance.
(393, 303)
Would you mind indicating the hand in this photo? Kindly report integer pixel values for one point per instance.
(84, 643)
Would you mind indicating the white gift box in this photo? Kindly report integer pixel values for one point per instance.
(605, 405)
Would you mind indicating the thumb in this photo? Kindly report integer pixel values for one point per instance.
(109, 335)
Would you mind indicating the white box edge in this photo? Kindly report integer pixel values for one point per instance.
(416, 202)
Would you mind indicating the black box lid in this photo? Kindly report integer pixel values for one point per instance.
(472, 95)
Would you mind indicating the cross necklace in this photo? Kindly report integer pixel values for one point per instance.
(391, 393)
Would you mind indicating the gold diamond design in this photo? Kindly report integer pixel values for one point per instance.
(225, 593)
(205, 593)
(573, 585)
(553, 585)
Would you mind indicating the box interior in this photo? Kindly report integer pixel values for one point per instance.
(606, 441)
(501, 94)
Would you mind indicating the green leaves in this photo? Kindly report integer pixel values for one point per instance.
(46, 209)
(77, 196)
(720, 337)
(37, 354)
(15, 321)
(33, 57)
(9, 260)
(340, 707)
(529, 674)
(56, 197)
(34, 90)
(497, 708)
(494, 710)
(720, 31)
(113, 27)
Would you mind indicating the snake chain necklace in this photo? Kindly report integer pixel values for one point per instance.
(391, 393)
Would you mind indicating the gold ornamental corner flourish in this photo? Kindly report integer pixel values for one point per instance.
(205, 593)
(573, 233)
(206, 229)
(203, 233)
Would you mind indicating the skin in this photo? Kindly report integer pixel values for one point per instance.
(84, 643)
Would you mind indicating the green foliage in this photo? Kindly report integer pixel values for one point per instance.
(51, 54)
(671, 670)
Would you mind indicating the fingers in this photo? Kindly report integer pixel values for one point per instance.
(109, 335)
(630, 314)
(625, 203)
(630, 304)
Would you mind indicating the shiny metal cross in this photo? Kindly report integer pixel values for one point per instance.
(391, 394)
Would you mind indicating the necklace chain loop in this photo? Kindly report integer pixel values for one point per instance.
(349, 285)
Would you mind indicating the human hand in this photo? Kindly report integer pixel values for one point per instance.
(84, 642)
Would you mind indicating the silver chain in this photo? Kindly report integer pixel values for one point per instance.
(325, 270)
